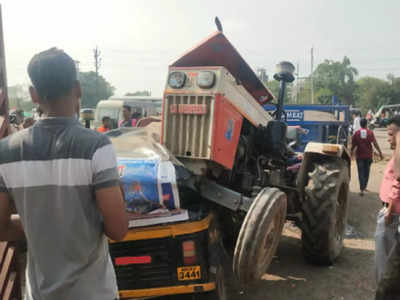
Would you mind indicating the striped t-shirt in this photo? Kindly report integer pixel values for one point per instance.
(51, 172)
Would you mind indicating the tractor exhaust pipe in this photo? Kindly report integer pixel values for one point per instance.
(284, 74)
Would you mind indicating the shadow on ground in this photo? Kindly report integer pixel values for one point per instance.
(291, 277)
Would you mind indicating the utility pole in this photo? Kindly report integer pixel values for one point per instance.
(97, 64)
(312, 71)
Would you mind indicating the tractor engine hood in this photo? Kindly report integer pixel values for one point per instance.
(216, 50)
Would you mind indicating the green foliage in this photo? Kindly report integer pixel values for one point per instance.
(394, 91)
(91, 95)
(19, 98)
(335, 78)
(18, 103)
(303, 88)
(372, 93)
(139, 93)
(324, 96)
(274, 87)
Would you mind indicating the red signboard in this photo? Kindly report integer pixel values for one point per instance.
(188, 109)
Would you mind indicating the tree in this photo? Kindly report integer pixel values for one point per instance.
(303, 89)
(335, 78)
(394, 90)
(139, 93)
(274, 87)
(90, 96)
(373, 93)
(16, 96)
(19, 98)
(390, 77)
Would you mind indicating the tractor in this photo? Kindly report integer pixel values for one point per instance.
(238, 177)
(215, 124)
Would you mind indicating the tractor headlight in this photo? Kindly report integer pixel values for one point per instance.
(206, 79)
(176, 80)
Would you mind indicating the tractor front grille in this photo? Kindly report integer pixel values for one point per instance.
(188, 135)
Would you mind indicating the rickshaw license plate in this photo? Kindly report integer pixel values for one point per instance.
(189, 273)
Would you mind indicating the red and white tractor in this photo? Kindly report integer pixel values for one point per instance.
(214, 123)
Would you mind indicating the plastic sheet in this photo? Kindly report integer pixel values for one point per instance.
(148, 174)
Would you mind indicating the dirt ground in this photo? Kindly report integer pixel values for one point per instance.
(352, 277)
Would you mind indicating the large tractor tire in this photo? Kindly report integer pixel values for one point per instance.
(259, 235)
(325, 212)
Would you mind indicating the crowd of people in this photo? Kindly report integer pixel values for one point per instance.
(387, 237)
(129, 120)
(18, 121)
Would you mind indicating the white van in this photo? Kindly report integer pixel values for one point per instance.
(145, 105)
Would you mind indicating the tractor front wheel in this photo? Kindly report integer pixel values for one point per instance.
(259, 235)
(325, 212)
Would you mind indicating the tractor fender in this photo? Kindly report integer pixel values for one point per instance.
(335, 150)
(319, 151)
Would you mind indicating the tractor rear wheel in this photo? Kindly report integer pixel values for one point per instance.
(325, 212)
(259, 235)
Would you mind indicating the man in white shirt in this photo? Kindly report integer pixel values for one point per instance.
(356, 122)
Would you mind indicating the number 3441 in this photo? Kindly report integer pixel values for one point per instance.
(189, 273)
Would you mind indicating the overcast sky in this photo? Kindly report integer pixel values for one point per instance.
(138, 39)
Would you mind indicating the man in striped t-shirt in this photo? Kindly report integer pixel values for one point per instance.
(62, 179)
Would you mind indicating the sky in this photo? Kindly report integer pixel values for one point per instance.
(139, 39)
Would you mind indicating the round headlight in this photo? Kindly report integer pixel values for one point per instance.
(206, 79)
(176, 80)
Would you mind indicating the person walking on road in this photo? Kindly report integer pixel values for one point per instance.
(361, 144)
(356, 122)
(387, 235)
(63, 181)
